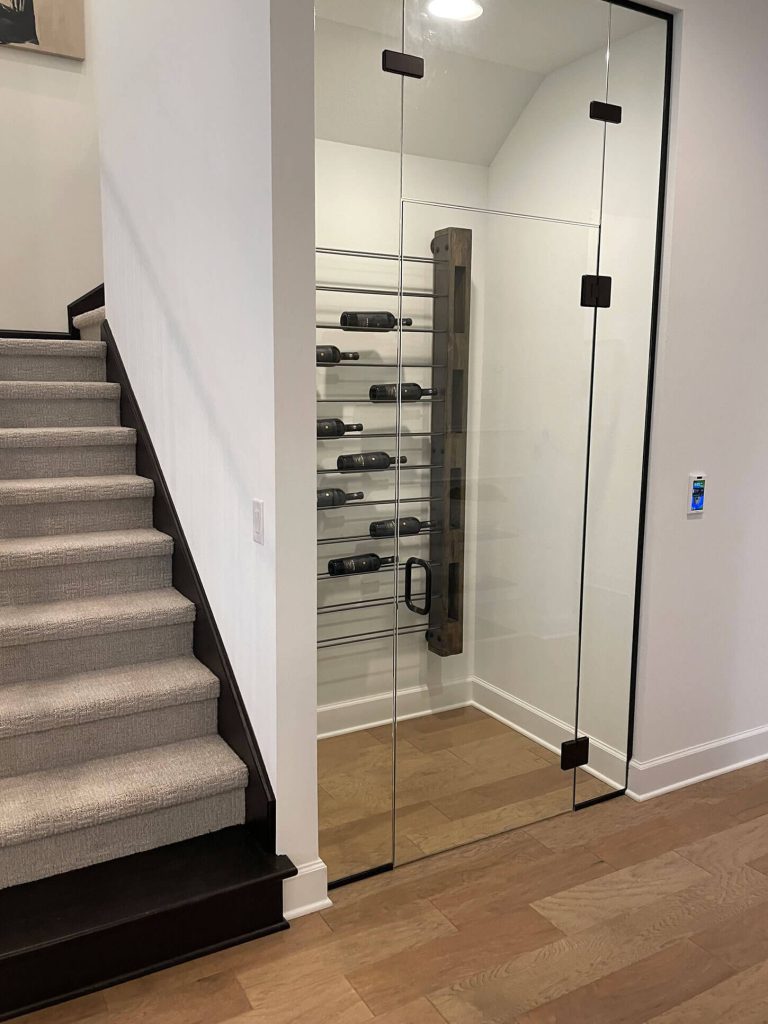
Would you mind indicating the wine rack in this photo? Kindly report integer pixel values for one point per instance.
(429, 586)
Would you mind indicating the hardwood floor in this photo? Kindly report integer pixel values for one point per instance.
(461, 776)
(624, 913)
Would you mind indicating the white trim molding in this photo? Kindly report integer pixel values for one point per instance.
(606, 763)
(306, 892)
(681, 768)
(370, 712)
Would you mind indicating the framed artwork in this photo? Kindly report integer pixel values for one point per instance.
(48, 26)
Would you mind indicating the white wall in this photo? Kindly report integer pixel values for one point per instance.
(534, 448)
(50, 230)
(191, 278)
(702, 698)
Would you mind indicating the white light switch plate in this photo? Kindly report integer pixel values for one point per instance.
(258, 520)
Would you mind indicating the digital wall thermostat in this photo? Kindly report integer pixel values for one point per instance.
(696, 486)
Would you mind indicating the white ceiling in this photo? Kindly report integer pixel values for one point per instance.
(533, 35)
(480, 75)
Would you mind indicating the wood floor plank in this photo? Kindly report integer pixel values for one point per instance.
(741, 942)
(635, 993)
(510, 748)
(91, 1008)
(509, 884)
(488, 823)
(511, 789)
(406, 927)
(213, 999)
(409, 975)
(466, 865)
(730, 848)
(647, 839)
(304, 933)
(741, 999)
(322, 997)
(419, 1012)
(543, 975)
(582, 906)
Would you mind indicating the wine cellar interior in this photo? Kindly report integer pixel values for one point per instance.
(481, 412)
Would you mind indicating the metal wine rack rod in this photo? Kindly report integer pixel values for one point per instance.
(374, 255)
(364, 433)
(377, 330)
(361, 638)
(354, 290)
(385, 569)
(368, 537)
(351, 364)
(352, 472)
(367, 401)
(374, 602)
(384, 501)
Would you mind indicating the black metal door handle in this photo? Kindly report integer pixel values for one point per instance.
(409, 567)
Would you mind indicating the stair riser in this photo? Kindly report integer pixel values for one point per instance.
(80, 460)
(70, 850)
(81, 412)
(51, 368)
(56, 519)
(25, 662)
(84, 579)
(55, 748)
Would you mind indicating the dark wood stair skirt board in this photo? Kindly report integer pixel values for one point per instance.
(71, 934)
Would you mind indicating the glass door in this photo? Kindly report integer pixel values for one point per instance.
(502, 190)
(481, 422)
(358, 132)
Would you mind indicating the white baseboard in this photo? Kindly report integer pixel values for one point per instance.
(306, 892)
(681, 768)
(369, 712)
(606, 763)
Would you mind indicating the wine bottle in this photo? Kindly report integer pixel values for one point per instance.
(332, 497)
(357, 564)
(330, 354)
(337, 428)
(366, 461)
(408, 392)
(408, 526)
(372, 321)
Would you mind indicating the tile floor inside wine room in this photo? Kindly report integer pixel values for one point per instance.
(623, 913)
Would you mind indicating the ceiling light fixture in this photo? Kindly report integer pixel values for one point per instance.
(455, 10)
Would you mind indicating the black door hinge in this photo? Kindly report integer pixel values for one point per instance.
(574, 753)
(596, 291)
(610, 112)
(402, 64)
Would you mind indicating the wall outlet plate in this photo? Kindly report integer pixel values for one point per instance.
(258, 520)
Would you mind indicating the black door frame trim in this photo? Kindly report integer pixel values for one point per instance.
(669, 18)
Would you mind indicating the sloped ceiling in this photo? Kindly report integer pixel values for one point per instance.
(480, 75)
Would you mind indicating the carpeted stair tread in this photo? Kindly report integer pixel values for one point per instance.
(57, 390)
(76, 548)
(52, 347)
(64, 620)
(64, 437)
(47, 490)
(110, 693)
(86, 795)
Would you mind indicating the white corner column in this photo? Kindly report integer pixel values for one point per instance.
(293, 241)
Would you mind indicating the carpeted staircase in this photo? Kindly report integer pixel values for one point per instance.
(108, 723)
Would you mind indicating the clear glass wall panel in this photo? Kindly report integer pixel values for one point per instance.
(623, 337)
(358, 126)
(500, 120)
(488, 694)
